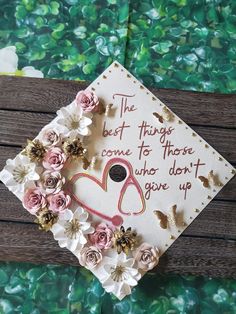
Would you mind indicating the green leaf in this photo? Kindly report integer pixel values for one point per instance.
(20, 47)
(42, 9)
(39, 22)
(162, 47)
(23, 32)
(123, 13)
(101, 45)
(3, 278)
(46, 41)
(6, 307)
(29, 4)
(89, 12)
(180, 3)
(72, 2)
(74, 10)
(88, 68)
(80, 32)
(153, 14)
(54, 7)
(58, 27)
(20, 12)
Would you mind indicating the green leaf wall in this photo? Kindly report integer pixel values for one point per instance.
(183, 44)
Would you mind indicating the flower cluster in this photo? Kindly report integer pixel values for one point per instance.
(37, 177)
(36, 174)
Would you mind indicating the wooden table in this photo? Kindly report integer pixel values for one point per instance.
(207, 246)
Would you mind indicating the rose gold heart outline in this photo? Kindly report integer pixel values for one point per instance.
(131, 180)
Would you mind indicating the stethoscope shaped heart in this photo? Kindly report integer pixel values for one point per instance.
(118, 170)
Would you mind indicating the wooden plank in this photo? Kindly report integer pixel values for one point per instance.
(216, 220)
(16, 127)
(199, 256)
(49, 95)
(28, 104)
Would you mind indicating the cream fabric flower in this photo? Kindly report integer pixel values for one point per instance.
(120, 275)
(19, 173)
(71, 229)
(30, 71)
(9, 64)
(8, 60)
(72, 121)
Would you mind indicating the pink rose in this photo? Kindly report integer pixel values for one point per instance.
(88, 101)
(54, 159)
(102, 237)
(51, 182)
(146, 256)
(59, 202)
(50, 137)
(90, 257)
(34, 200)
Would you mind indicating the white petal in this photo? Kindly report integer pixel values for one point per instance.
(125, 290)
(84, 131)
(82, 239)
(74, 245)
(82, 217)
(62, 243)
(78, 212)
(8, 59)
(89, 230)
(129, 262)
(67, 215)
(108, 285)
(85, 226)
(84, 121)
(32, 72)
(122, 257)
(131, 281)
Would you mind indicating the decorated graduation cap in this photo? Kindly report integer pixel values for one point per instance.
(116, 177)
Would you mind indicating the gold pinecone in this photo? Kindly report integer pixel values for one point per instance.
(34, 150)
(45, 219)
(125, 240)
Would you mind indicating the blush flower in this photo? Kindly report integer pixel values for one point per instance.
(90, 257)
(59, 202)
(87, 100)
(50, 137)
(146, 256)
(34, 200)
(102, 237)
(54, 159)
(51, 182)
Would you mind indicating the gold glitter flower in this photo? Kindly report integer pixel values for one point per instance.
(46, 219)
(125, 240)
(34, 150)
(73, 148)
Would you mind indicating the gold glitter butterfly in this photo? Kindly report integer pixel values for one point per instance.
(166, 221)
(166, 115)
(210, 179)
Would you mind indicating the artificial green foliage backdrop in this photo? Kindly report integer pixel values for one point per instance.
(184, 44)
(29, 289)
